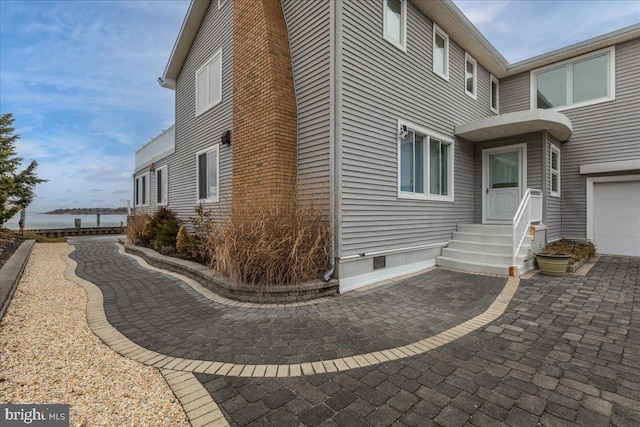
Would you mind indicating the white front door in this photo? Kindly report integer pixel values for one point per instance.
(503, 182)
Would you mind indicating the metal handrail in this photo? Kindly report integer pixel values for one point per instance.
(529, 211)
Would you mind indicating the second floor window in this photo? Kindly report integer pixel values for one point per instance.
(395, 22)
(440, 52)
(586, 80)
(494, 101)
(209, 84)
(470, 75)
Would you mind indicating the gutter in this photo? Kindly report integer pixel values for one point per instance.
(335, 135)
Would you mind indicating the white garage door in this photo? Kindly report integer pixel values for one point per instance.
(617, 217)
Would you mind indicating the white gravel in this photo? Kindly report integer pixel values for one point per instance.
(48, 354)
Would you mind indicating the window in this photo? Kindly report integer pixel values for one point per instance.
(207, 167)
(470, 75)
(554, 170)
(209, 84)
(161, 186)
(142, 190)
(425, 164)
(395, 23)
(440, 52)
(494, 96)
(586, 80)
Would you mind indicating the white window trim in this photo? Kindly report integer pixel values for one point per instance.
(430, 134)
(165, 176)
(493, 79)
(552, 171)
(147, 190)
(216, 199)
(611, 89)
(403, 45)
(221, 4)
(214, 102)
(469, 58)
(445, 36)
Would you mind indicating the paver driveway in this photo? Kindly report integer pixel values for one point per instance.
(566, 351)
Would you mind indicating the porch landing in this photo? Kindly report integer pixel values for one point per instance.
(487, 249)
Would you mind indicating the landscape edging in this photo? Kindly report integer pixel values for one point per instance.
(11, 272)
(241, 292)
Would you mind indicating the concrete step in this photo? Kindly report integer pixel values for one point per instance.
(485, 229)
(488, 248)
(477, 267)
(481, 247)
(503, 239)
(498, 259)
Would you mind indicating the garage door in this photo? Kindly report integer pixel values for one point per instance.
(617, 217)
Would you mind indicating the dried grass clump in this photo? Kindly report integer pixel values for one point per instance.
(578, 250)
(135, 227)
(282, 245)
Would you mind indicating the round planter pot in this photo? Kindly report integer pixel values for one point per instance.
(552, 264)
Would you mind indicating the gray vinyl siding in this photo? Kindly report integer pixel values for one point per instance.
(382, 84)
(553, 205)
(309, 25)
(534, 164)
(605, 132)
(197, 133)
(515, 93)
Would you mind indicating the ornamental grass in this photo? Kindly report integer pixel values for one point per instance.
(287, 244)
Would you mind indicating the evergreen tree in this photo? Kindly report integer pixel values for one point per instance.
(16, 187)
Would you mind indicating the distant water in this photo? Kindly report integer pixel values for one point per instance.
(35, 221)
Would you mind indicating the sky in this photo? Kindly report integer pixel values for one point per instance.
(80, 78)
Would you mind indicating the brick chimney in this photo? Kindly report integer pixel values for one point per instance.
(264, 130)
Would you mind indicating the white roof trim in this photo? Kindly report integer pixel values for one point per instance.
(517, 123)
(447, 16)
(620, 166)
(452, 21)
(190, 26)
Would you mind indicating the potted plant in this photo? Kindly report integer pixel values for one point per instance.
(552, 264)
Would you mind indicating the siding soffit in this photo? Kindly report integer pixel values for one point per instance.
(517, 123)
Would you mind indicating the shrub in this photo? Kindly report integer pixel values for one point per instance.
(578, 250)
(184, 245)
(159, 218)
(166, 233)
(135, 227)
(284, 245)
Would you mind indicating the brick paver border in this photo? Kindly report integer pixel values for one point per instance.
(178, 372)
